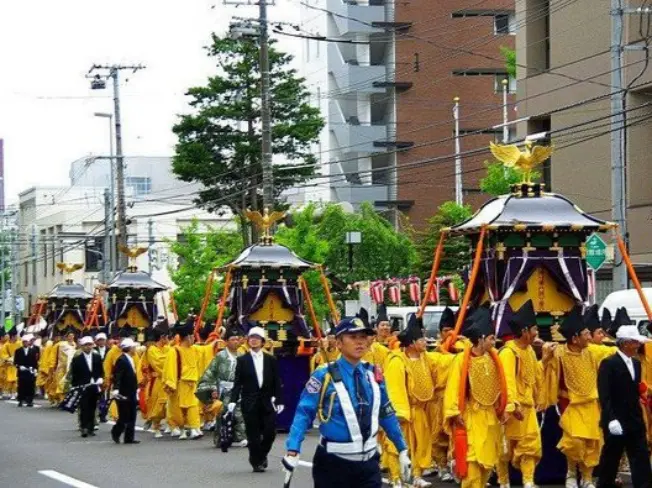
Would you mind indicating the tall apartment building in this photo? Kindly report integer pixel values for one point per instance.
(564, 50)
(354, 84)
(448, 49)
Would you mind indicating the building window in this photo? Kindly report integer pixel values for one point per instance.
(94, 248)
(511, 86)
(504, 24)
(141, 185)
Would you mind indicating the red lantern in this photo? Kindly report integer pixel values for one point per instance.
(453, 292)
(395, 293)
(378, 292)
(415, 291)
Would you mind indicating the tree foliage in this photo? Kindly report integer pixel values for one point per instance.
(198, 252)
(219, 142)
(509, 55)
(456, 249)
(499, 178)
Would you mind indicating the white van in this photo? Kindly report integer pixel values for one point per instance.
(431, 317)
(631, 301)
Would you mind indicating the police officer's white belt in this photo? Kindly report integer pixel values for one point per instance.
(226, 385)
(348, 448)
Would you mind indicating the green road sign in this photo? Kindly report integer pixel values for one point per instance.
(596, 252)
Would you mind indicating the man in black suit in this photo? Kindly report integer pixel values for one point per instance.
(26, 362)
(125, 389)
(258, 384)
(619, 378)
(87, 371)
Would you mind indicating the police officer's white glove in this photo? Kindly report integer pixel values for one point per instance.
(115, 394)
(231, 407)
(406, 465)
(99, 381)
(22, 368)
(615, 428)
(289, 462)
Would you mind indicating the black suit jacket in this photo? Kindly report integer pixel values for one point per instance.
(124, 378)
(619, 395)
(245, 385)
(80, 374)
(29, 360)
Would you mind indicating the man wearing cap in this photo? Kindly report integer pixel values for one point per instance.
(124, 390)
(87, 372)
(524, 378)
(26, 362)
(351, 402)
(180, 377)
(217, 384)
(257, 384)
(7, 357)
(475, 403)
(100, 345)
(571, 379)
(619, 387)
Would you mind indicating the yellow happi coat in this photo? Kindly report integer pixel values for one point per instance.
(154, 361)
(480, 416)
(43, 364)
(571, 379)
(410, 387)
(180, 377)
(377, 354)
(441, 363)
(522, 438)
(7, 357)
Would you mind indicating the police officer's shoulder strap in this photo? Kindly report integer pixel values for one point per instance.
(334, 372)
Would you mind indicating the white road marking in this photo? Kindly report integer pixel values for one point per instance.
(308, 464)
(138, 429)
(15, 402)
(67, 480)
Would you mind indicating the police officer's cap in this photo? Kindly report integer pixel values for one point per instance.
(352, 325)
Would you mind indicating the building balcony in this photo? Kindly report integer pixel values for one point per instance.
(350, 76)
(367, 14)
(357, 194)
(351, 136)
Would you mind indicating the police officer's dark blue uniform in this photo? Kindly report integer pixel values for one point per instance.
(352, 403)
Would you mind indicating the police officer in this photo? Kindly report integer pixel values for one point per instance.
(350, 398)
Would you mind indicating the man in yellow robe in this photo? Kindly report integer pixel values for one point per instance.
(154, 362)
(180, 377)
(524, 378)
(441, 362)
(7, 357)
(44, 364)
(206, 350)
(3, 366)
(327, 353)
(571, 380)
(475, 402)
(410, 386)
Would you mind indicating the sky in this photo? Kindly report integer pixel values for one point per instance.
(47, 47)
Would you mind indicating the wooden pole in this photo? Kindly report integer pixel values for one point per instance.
(331, 304)
(439, 251)
(311, 310)
(632, 273)
(225, 295)
(173, 304)
(205, 302)
(469, 289)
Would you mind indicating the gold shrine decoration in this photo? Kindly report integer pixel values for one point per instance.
(511, 156)
(133, 253)
(69, 269)
(265, 221)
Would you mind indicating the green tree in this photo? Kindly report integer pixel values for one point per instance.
(198, 252)
(500, 178)
(509, 55)
(456, 249)
(219, 142)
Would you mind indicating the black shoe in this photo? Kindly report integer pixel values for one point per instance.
(92, 433)
(103, 420)
(259, 469)
(115, 437)
(20, 404)
(265, 464)
(30, 404)
(133, 441)
(84, 433)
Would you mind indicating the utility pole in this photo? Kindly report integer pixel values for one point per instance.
(107, 264)
(265, 105)
(3, 268)
(150, 250)
(98, 83)
(459, 199)
(14, 272)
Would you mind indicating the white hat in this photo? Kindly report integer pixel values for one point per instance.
(630, 333)
(86, 340)
(127, 343)
(257, 331)
(100, 336)
(27, 337)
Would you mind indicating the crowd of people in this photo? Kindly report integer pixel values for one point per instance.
(385, 399)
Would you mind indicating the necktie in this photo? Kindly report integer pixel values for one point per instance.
(364, 409)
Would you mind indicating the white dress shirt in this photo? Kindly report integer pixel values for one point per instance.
(258, 364)
(629, 363)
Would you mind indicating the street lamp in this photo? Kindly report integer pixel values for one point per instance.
(352, 238)
(110, 252)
